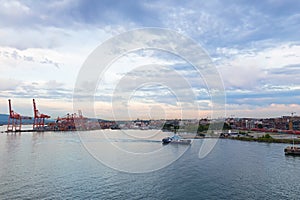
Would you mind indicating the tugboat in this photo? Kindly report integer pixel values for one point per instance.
(292, 150)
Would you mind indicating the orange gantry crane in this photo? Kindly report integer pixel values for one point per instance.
(71, 122)
(39, 119)
(80, 121)
(14, 120)
(66, 123)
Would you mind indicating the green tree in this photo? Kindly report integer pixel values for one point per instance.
(267, 136)
(226, 126)
(202, 128)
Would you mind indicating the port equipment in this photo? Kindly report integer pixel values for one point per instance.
(39, 119)
(65, 123)
(71, 122)
(80, 121)
(14, 120)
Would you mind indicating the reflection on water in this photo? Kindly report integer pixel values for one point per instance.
(57, 165)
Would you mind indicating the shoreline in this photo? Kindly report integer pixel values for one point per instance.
(249, 139)
(265, 140)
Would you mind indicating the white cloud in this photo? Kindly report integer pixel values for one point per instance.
(19, 9)
(246, 70)
(272, 110)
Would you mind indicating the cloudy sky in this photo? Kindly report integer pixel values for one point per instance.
(255, 46)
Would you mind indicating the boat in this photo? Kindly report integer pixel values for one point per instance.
(166, 140)
(292, 150)
(176, 139)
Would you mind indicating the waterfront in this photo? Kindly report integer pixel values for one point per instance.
(55, 165)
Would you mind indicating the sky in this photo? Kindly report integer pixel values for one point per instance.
(254, 45)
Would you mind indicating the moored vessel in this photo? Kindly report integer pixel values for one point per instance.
(292, 150)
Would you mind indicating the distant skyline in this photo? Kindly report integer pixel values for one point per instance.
(255, 45)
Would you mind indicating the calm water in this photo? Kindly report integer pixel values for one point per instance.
(57, 166)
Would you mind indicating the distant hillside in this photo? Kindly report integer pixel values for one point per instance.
(4, 119)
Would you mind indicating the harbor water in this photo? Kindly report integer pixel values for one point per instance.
(57, 165)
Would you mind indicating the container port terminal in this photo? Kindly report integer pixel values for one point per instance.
(78, 122)
(42, 122)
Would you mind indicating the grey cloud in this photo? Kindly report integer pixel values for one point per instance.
(15, 55)
(21, 89)
(51, 62)
(286, 70)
